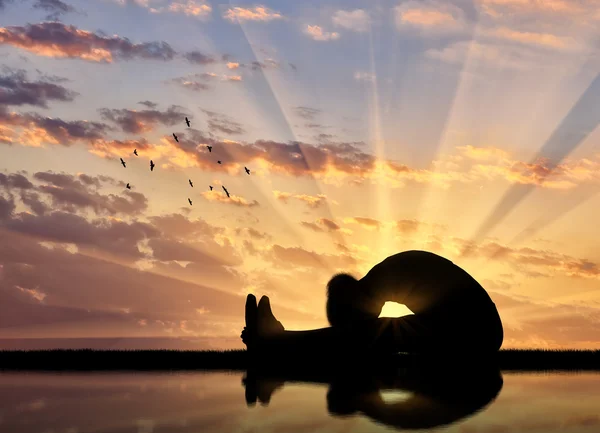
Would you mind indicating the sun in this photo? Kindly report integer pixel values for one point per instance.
(393, 309)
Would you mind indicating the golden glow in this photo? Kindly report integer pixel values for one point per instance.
(393, 309)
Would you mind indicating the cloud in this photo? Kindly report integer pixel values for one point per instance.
(368, 223)
(492, 55)
(117, 148)
(190, 84)
(364, 76)
(529, 322)
(265, 64)
(192, 8)
(318, 34)
(313, 201)
(221, 123)
(357, 20)
(483, 153)
(430, 17)
(74, 193)
(499, 9)
(197, 82)
(253, 233)
(296, 257)
(54, 39)
(257, 13)
(39, 130)
(233, 65)
(198, 58)
(408, 226)
(235, 200)
(15, 89)
(148, 104)
(45, 258)
(4, 3)
(55, 8)
(134, 122)
(530, 261)
(546, 40)
(307, 112)
(322, 224)
(114, 295)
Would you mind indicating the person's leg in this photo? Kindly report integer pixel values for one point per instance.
(382, 335)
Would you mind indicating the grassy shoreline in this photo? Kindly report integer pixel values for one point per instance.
(164, 360)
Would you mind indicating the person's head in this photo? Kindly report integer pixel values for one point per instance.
(348, 301)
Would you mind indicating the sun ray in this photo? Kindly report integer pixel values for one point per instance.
(580, 121)
(336, 236)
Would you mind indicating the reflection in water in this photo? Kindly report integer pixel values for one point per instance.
(215, 402)
(424, 397)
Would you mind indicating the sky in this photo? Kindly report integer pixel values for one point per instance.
(464, 128)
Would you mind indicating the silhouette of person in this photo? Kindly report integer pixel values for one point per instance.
(433, 395)
(452, 312)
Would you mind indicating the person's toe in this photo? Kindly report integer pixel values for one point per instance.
(251, 311)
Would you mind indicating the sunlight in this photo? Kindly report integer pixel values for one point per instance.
(278, 96)
(383, 202)
(395, 396)
(393, 309)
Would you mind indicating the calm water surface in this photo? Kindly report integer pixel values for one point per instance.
(222, 402)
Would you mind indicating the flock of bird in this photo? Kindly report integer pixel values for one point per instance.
(152, 165)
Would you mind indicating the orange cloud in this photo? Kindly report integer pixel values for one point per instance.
(313, 201)
(325, 224)
(294, 257)
(6, 134)
(426, 17)
(368, 223)
(233, 65)
(318, 34)
(532, 38)
(258, 13)
(499, 8)
(235, 200)
(191, 8)
(430, 16)
(483, 153)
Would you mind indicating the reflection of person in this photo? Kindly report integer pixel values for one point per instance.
(433, 397)
(451, 312)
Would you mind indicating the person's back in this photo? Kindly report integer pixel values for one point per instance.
(450, 304)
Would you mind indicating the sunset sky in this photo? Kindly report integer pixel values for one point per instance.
(465, 128)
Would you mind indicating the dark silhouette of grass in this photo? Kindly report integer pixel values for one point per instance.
(164, 360)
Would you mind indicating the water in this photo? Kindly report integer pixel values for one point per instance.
(216, 402)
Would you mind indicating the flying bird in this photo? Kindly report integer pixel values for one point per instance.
(210, 186)
(187, 121)
(135, 152)
(123, 162)
(176, 139)
(226, 192)
(219, 162)
(191, 184)
(151, 165)
(127, 186)
(247, 171)
(209, 148)
(190, 201)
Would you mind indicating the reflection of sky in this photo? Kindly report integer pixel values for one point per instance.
(199, 402)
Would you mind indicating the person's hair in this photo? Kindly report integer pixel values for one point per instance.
(345, 302)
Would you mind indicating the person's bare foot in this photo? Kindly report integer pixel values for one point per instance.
(260, 322)
(267, 324)
(249, 333)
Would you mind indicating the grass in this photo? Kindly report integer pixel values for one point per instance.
(164, 360)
